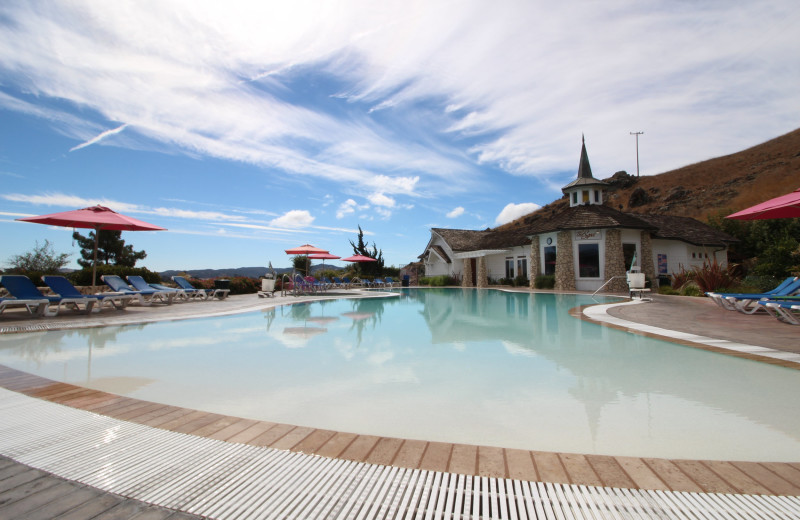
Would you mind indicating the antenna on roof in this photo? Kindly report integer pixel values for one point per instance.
(637, 134)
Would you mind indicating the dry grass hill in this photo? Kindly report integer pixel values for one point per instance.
(724, 184)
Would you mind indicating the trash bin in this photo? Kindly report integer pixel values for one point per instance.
(405, 280)
(222, 284)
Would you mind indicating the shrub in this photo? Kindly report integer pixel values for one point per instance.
(84, 276)
(712, 276)
(667, 289)
(691, 289)
(439, 281)
(544, 281)
(237, 284)
(521, 281)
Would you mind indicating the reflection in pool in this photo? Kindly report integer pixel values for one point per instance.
(469, 366)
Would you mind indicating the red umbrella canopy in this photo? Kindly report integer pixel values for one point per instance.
(95, 217)
(323, 256)
(785, 206)
(359, 258)
(99, 218)
(305, 249)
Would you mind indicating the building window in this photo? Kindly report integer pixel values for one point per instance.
(522, 266)
(585, 196)
(550, 260)
(597, 196)
(629, 255)
(589, 260)
(574, 197)
(509, 268)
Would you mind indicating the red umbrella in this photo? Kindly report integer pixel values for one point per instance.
(785, 206)
(323, 257)
(305, 249)
(99, 218)
(359, 258)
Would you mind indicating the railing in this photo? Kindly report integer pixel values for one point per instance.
(608, 282)
(283, 283)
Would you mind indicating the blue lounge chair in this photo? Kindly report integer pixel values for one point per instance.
(184, 284)
(140, 284)
(144, 297)
(34, 307)
(64, 288)
(390, 282)
(22, 288)
(747, 303)
(785, 310)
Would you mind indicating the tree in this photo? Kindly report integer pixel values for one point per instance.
(301, 263)
(43, 259)
(368, 268)
(111, 249)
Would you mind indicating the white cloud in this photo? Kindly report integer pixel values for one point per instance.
(99, 137)
(457, 212)
(379, 199)
(215, 79)
(296, 218)
(514, 211)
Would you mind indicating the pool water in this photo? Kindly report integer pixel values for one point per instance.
(481, 367)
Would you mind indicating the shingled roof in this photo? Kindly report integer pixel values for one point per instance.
(688, 230)
(587, 216)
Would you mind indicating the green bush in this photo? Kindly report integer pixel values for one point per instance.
(237, 285)
(521, 281)
(438, 281)
(544, 281)
(84, 276)
(667, 289)
(758, 284)
(691, 289)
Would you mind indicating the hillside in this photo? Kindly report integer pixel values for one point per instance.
(724, 184)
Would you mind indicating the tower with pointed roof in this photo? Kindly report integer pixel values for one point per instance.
(585, 189)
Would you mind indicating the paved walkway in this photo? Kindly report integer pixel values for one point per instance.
(597, 472)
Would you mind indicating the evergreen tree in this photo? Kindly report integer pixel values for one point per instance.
(111, 249)
(368, 268)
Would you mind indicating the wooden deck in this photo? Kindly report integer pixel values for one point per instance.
(536, 466)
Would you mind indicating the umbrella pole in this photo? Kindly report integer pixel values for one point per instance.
(94, 264)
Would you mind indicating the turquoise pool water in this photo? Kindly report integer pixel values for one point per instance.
(468, 366)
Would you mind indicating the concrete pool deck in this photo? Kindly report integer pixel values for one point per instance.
(694, 316)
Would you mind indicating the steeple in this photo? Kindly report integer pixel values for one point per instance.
(585, 189)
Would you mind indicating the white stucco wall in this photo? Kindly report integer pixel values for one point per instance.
(436, 266)
(682, 254)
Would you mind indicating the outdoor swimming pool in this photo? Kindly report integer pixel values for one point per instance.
(468, 366)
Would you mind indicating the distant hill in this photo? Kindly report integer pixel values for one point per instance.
(724, 184)
(249, 272)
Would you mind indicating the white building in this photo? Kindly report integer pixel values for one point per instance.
(583, 246)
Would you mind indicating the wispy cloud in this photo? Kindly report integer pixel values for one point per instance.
(411, 100)
(99, 137)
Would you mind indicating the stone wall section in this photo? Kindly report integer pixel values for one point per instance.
(534, 260)
(565, 266)
(483, 278)
(466, 279)
(647, 263)
(615, 262)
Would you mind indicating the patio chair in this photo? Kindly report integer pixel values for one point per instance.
(785, 310)
(34, 307)
(184, 284)
(145, 297)
(390, 282)
(637, 285)
(747, 303)
(22, 288)
(64, 288)
(140, 284)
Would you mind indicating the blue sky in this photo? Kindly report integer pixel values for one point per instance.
(247, 128)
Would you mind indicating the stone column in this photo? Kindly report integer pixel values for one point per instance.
(534, 260)
(483, 279)
(615, 262)
(565, 265)
(647, 264)
(466, 278)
